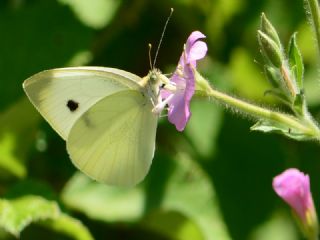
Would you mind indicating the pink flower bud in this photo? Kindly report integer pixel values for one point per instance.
(293, 187)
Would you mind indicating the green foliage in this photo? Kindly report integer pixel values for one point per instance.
(271, 50)
(275, 62)
(172, 225)
(203, 127)
(103, 202)
(68, 226)
(17, 214)
(193, 211)
(285, 72)
(296, 61)
(274, 127)
(95, 13)
(269, 30)
(14, 149)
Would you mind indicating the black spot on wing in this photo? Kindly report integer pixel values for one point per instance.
(72, 105)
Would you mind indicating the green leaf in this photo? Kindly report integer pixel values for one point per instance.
(172, 224)
(280, 89)
(273, 127)
(20, 119)
(203, 127)
(190, 191)
(279, 226)
(102, 202)
(299, 104)
(278, 94)
(159, 192)
(273, 75)
(94, 13)
(296, 61)
(68, 226)
(8, 161)
(17, 214)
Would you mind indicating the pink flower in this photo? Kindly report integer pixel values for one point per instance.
(294, 188)
(183, 81)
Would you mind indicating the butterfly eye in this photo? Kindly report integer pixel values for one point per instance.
(72, 105)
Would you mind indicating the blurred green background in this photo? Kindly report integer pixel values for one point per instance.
(213, 181)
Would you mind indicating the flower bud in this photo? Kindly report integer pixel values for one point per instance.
(267, 28)
(270, 49)
(294, 188)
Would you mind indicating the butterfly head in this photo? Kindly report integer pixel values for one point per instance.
(152, 84)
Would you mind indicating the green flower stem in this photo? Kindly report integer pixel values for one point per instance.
(260, 112)
(305, 125)
(313, 7)
(308, 119)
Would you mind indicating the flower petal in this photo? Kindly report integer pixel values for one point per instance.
(178, 113)
(179, 107)
(194, 36)
(197, 52)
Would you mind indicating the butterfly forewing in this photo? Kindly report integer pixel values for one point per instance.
(113, 142)
(63, 95)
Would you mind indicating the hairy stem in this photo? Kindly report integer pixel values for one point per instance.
(305, 126)
(313, 8)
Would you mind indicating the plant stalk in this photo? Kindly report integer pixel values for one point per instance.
(258, 112)
(314, 12)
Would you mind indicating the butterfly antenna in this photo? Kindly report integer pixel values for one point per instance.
(150, 46)
(164, 29)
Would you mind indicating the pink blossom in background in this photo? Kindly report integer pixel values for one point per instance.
(293, 187)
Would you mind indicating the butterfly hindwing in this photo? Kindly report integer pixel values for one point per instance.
(113, 141)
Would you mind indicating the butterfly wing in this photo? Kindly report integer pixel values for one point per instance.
(113, 142)
(63, 95)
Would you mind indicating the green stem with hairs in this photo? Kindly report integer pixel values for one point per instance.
(304, 125)
(260, 112)
(313, 8)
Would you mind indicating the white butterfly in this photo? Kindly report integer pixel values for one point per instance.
(104, 115)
